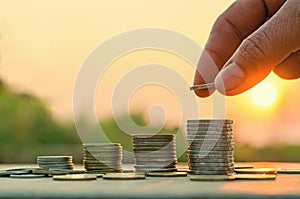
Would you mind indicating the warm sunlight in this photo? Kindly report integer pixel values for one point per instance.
(264, 94)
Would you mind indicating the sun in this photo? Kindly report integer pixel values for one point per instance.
(264, 94)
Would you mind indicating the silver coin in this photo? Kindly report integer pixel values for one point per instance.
(146, 170)
(102, 166)
(159, 136)
(155, 145)
(154, 149)
(257, 171)
(104, 157)
(167, 174)
(243, 166)
(101, 150)
(55, 158)
(211, 145)
(27, 175)
(4, 173)
(211, 148)
(209, 125)
(205, 164)
(210, 172)
(101, 163)
(153, 142)
(226, 169)
(157, 164)
(47, 168)
(17, 171)
(151, 158)
(211, 177)
(228, 121)
(211, 160)
(194, 156)
(195, 166)
(156, 160)
(102, 145)
(75, 177)
(124, 176)
(215, 132)
(154, 154)
(103, 171)
(211, 140)
(255, 176)
(208, 136)
(203, 86)
(202, 153)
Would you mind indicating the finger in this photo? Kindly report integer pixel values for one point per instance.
(290, 67)
(229, 30)
(262, 50)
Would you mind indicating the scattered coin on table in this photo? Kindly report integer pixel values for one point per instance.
(124, 176)
(288, 171)
(75, 177)
(238, 166)
(257, 171)
(27, 175)
(255, 176)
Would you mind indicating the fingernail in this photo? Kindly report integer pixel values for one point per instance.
(229, 78)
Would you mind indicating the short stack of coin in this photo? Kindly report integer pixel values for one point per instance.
(55, 162)
(211, 145)
(102, 157)
(154, 153)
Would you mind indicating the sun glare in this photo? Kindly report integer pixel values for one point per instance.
(264, 94)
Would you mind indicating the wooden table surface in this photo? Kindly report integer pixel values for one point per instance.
(285, 186)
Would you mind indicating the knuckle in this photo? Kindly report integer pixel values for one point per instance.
(253, 50)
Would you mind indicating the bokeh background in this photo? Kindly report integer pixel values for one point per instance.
(43, 44)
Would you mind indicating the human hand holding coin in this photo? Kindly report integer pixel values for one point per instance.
(249, 40)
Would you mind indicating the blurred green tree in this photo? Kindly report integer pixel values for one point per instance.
(27, 124)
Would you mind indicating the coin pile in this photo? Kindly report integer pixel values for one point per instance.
(102, 157)
(211, 145)
(154, 153)
(55, 162)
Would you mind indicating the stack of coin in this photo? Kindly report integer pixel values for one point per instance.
(102, 157)
(154, 153)
(55, 162)
(211, 145)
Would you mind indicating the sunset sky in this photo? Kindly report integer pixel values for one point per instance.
(44, 43)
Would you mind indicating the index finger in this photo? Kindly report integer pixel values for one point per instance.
(241, 19)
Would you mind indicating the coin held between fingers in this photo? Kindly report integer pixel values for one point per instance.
(202, 86)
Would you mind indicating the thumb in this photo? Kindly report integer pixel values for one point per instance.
(261, 51)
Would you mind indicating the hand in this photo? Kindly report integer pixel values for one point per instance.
(250, 39)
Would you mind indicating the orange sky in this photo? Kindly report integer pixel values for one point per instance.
(44, 43)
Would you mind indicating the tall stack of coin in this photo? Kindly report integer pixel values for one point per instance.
(55, 162)
(211, 145)
(154, 153)
(102, 157)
